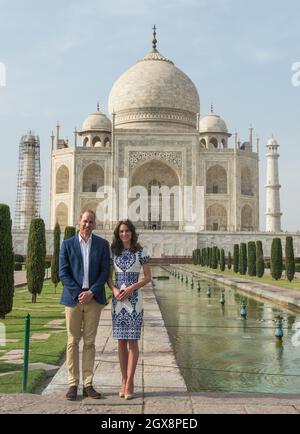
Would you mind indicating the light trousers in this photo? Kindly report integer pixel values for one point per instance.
(82, 320)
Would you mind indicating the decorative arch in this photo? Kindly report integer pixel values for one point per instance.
(247, 218)
(62, 180)
(203, 143)
(106, 142)
(216, 218)
(93, 178)
(62, 214)
(216, 180)
(246, 182)
(213, 141)
(157, 173)
(96, 142)
(86, 142)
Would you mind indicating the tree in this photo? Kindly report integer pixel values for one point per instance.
(6, 262)
(199, 257)
(222, 260)
(260, 263)
(36, 253)
(236, 258)
(55, 257)
(276, 259)
(203, 257)
(214, 258)
(243, 259)
(251, 258)
(70, 231)
(207, 257)
(229, 261)
(289, 259)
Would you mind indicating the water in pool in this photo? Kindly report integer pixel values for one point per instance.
(217, 350)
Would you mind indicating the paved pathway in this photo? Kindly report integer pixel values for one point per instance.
(159, 385)
(20, 277)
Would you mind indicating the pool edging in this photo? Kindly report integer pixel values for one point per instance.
(263, 291)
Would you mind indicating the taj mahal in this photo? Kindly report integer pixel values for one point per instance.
(156, 136)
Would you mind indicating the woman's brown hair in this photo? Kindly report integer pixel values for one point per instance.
(117, 244)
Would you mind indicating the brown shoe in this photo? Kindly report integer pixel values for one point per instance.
(90, 392)
(72, 393)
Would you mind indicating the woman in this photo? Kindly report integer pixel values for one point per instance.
(127, 310)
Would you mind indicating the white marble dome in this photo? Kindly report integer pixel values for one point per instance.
(96, 122)
(213, 123)
(154, 91)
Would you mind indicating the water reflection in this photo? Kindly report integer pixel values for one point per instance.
(217, 350)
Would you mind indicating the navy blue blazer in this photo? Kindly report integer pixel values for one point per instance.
(71, 269)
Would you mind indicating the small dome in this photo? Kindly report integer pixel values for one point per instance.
(272, 142)
(97, 122)
(213, 123)
(29, 138)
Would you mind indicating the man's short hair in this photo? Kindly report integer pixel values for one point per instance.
(90, 211)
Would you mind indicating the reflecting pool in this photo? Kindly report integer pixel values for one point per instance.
(217, 350)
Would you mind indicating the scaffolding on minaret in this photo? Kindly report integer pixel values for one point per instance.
(28, 199)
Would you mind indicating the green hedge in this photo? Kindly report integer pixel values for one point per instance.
(276, 259)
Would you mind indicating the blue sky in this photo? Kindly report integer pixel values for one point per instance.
(63, 56)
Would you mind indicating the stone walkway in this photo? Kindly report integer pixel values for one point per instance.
(160, 388)
(20, 278)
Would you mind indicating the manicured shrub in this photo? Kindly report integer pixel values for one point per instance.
(251, 258)
(260, 264)
(35, 263)
(214, 258)
(55, 257)
(6, 262)
(222, 260)
(203, 257)
(276, 259)
(236, 258)
(289, 259)
(243, 259)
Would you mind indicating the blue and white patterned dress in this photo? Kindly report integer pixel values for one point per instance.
(127, 315)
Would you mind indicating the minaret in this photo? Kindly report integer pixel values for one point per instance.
(28, 190)
(273, 214)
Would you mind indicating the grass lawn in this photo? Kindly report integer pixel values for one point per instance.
(283, 282)
(13, 383)
(50, 351)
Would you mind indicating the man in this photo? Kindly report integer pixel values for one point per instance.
(83, 269)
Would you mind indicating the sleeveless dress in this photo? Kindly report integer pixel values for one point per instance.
(127, 315)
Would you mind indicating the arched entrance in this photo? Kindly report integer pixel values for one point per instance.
(162, 201)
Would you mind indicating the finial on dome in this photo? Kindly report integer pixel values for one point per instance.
(98, 106)
(212, 108)
(154, 40)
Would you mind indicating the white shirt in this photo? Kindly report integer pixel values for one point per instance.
(85, 251)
